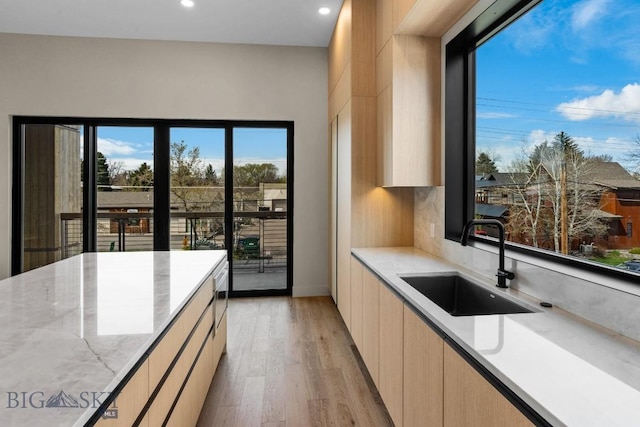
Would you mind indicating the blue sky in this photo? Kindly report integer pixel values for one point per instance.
(132, 146)
(571, 66)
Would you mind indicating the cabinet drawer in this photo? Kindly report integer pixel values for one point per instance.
(164, 353)
(167, 395)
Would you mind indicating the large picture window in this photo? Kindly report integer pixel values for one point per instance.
(542, 114)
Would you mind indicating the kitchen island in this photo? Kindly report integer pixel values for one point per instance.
(112, 338)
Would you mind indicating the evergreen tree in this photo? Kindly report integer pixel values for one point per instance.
(102, 175)
(485, 165)
(141, 177)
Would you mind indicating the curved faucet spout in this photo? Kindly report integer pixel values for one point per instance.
(502, 274)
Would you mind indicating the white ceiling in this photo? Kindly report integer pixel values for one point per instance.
(276, 22)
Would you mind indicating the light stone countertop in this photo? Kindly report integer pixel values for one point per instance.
(571, 371)
(79, 325)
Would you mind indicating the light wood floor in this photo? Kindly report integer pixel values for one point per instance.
(290, 362)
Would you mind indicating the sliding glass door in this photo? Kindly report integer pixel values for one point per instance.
(260, 208)
(115, 185)
(197, 191)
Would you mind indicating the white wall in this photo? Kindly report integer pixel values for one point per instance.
(64, 76)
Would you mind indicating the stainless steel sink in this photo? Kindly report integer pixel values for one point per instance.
(461, 297)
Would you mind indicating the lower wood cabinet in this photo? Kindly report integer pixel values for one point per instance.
(170, 385)
(469, 399)
(391, 353)
(422, 380)
(356, 302)
(423, 373)
(371, 323)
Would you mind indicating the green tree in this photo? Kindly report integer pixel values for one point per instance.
(210, 175)
(252, 174)
(102, 176)
(142, 178)
(485, 165)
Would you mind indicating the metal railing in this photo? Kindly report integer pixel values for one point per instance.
(259, 238)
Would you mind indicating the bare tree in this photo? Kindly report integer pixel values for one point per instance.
(195, 186)
(117, 175)
(633, 156)
(525, 213)
(539, 195)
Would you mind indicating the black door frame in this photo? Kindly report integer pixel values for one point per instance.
(162, 216)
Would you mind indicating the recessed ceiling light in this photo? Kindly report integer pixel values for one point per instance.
(187, 3)
(324, 11)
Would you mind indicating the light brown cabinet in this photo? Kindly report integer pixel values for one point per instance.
(356, 302)
(408, 112)
(371, 323)
(391, 353)
(362, 215)
(423, 373)
(421, 379)
(172, 382)
(470, 400)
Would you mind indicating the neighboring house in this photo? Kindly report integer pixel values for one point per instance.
(620, 200)
(124, 202)
(617, 190)
(497, 188)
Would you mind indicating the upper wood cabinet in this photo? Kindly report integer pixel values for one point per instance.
(408, 112)
(428, 17)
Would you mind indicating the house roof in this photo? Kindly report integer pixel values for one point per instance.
(612, 175)
(144, 199)
(490, 211)
(501, 179)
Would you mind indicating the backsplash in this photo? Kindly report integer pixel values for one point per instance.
(590, 299)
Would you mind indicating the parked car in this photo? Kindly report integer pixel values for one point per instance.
(631, 265)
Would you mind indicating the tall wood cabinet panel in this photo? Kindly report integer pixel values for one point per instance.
(423, 373)
(356, 302)
(391, 353)
(365, 215)
(333, 208)
(371, 323)
(470, 400)
(343, 206)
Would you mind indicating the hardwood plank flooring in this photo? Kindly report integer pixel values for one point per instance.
(290, 362)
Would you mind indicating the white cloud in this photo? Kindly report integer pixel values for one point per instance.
(112, 147)
(624, 105)
(130, 163)
(538, 136)
(586, 12)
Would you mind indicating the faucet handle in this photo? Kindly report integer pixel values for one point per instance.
(506, 274)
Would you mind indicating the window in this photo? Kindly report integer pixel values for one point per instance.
(542, 114)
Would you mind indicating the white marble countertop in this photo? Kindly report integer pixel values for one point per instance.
(79, 325)
(571, 371)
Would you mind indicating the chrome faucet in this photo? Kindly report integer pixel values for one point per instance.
(502, 274)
